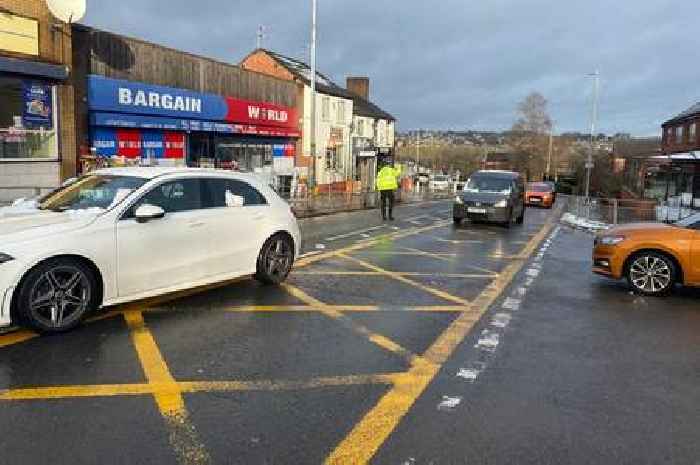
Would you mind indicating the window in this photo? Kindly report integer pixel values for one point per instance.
(217, 188)
(173, 197)
(91, 192)
(340, 111)
(27, 119)
(692, 134)
(360, 130)
(679, 135)
(332, 159)
(326, 108)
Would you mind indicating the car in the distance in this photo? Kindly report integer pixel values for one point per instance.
(491, 196)
(653, 257)
(439, 182)
(125, 234)
(540, 194)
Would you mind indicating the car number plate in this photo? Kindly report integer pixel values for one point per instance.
(476, 210)
(535, 200)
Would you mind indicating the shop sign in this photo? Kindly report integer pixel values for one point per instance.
(367, 153)
(283, 150)
(134, 98)
(37, 109)
(19, 35)
(134, 143)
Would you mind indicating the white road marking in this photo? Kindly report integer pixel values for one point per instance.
(354, 233)
(501, 320)
(533, 272)
(488, 341)
(529, 282)
(468, 374)
(512, 304)
(321, 246)
(449, 403)
(522, 291)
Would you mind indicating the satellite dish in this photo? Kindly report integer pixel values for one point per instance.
(68, 11)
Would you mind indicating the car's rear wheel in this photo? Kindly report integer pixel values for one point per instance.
(54, 296)
(275, 260)
(651, 273)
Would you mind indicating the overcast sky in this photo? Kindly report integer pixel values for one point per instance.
(456, 64)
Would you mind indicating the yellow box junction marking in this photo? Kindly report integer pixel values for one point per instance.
(182, 434)
(365, 439)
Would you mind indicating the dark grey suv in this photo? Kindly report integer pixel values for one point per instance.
(491, 196)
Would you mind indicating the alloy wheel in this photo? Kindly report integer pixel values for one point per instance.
(60, 296)
(651, 274)
(278, 258)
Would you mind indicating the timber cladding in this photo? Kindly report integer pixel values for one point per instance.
(119, 57)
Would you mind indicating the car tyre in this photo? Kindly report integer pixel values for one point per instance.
(651, 273)
(275, 260)
(457, 221)
(521, 218)
(54, 296)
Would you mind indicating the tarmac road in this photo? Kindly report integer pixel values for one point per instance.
(367, 355)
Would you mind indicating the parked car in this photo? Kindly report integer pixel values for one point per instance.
(653, 257)
(125, 234)
(492, 196)
(439, 182)
(540, 194)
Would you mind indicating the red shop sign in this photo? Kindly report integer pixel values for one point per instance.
(260, 113)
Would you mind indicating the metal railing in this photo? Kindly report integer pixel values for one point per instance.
(621, 211)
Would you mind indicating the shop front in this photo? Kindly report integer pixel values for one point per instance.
(142, 124)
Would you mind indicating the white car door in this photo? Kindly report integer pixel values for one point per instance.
(239, 227)
(167, 252)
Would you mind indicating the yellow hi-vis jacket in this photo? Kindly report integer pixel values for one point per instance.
(388, 178)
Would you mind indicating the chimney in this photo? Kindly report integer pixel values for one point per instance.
(359, 86)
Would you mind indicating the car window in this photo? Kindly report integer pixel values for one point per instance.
(216, 193)
(173, 196)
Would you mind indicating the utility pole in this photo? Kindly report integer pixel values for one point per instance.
(549, 154)
(418, 150)
(312, 170)
(594, 120)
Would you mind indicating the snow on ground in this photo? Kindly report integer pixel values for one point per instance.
(578, 222)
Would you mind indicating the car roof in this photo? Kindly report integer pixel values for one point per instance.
(499, 173)
(152, 172)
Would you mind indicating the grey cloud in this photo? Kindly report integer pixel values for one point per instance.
(457, 63)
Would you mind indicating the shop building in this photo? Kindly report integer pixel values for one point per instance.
(373, 135)
(334, 165)
(150, 105)
(37, 135)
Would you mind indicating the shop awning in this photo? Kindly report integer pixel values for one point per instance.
(33, 68)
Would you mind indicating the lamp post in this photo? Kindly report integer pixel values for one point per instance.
(594, 120)
(312, 168)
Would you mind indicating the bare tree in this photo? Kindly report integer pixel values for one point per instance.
(529, 136)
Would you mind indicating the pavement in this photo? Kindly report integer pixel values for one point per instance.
(406, 342)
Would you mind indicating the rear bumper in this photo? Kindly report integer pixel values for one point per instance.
(492, 214)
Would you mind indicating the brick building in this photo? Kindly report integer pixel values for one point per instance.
(681, 147)
(37, 133)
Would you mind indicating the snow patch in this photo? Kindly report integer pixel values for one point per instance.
(578, 222)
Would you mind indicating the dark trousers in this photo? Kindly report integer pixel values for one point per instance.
(387, 204)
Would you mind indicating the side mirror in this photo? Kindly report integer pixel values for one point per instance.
(233, 200)
(146, 213)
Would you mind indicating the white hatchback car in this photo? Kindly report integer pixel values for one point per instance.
(125, 234)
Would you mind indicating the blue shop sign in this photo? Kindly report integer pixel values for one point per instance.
(117, 120)
(37, 111)
(118, 96)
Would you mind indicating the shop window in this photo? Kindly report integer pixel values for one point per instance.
(326, 108)
(361, 127)
(27, 120)
(332, 159)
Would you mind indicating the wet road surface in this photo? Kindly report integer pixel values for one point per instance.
(401, 343)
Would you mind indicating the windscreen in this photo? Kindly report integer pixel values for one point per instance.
(488, 184)
(91, 192)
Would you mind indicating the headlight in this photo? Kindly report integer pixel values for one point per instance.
(501, 204)
(459, 200)
(611, 240)
(4, 258)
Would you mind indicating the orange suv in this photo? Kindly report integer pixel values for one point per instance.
(653, 257)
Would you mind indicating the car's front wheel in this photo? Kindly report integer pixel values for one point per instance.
(55, 295)
(275, 260)
(651, 273)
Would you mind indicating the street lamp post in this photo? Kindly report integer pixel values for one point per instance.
(594, 120)
(312, 167)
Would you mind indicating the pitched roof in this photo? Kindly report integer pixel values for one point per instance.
(325, 85)
(692, 111)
